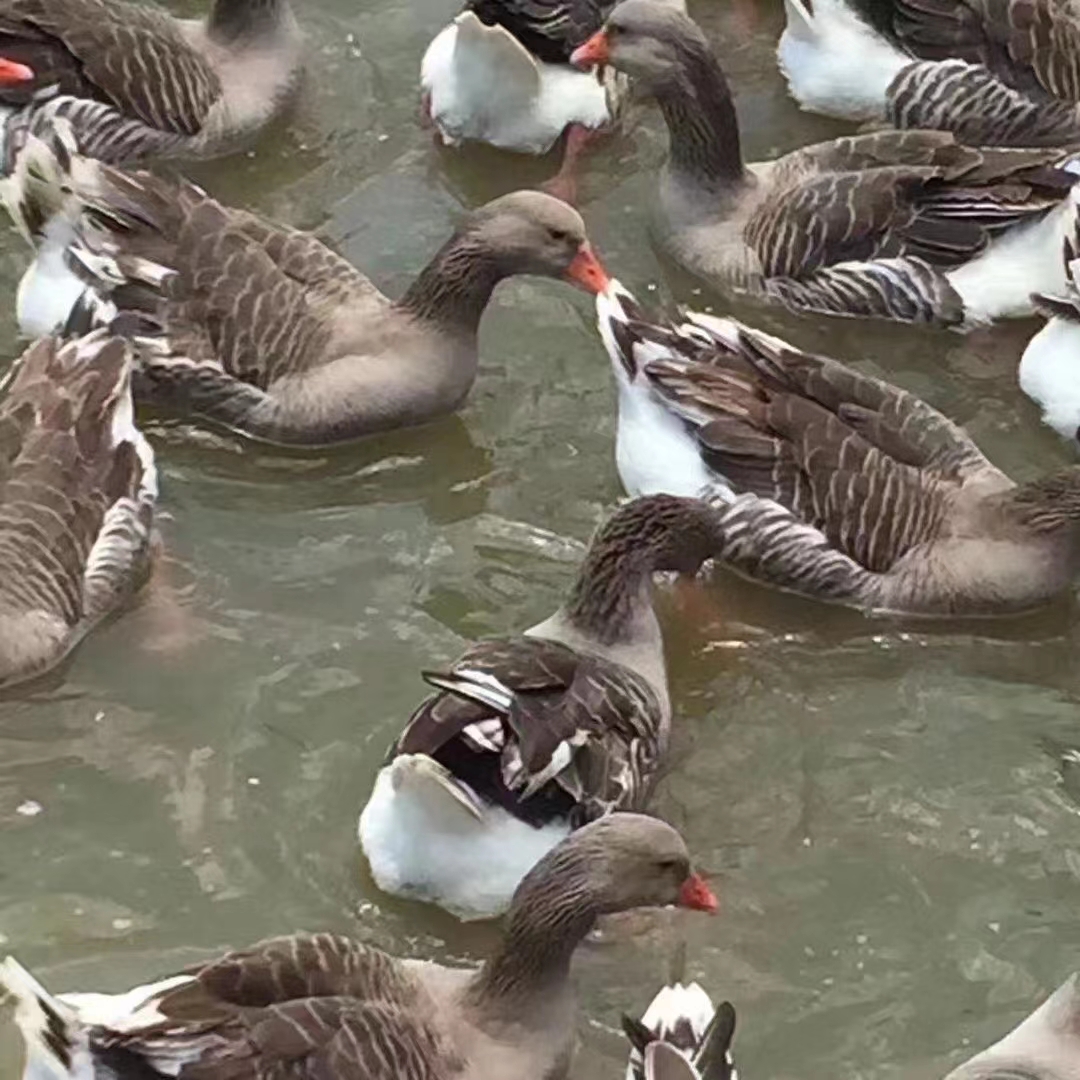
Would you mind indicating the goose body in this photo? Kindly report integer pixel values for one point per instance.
(904, 225)
(135, 82)
(259, 328)
(843, 487)
(307, 1007)
(77, 491)
(531, 736)
(482, 84)
(993, 73)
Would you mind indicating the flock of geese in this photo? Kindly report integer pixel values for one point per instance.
(517, 786)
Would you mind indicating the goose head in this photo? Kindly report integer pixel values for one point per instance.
(649, 40)
(530, 232)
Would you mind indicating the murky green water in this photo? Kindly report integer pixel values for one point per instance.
(881, 803)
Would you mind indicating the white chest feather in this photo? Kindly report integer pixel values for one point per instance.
(1050, 375)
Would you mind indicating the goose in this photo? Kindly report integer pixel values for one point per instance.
(530, 736)
(77, 493)
(1044, 1046)
(135, 82)
(307, 1007)
(1051, 361)
(683, 1020)
(259, 328)
(906, 225)
(835, 485)
(499, 73)
(993, 72)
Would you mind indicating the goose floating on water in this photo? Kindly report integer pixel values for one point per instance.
(531, 736)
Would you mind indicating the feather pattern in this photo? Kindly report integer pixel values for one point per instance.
(906, 225)
(77, 493)
(847, 488)
(134, 82)
(550, 29)
(993, 72)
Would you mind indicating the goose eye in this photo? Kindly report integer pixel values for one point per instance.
(558, 234)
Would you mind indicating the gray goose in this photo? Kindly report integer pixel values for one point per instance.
(834, 485)
(77, 493)
(135, 82)
(993, 72)
(905, 225)
(316, 1007)
(531, 736)
(260, 328)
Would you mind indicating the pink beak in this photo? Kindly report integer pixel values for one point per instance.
(593, 52)
(587, 271)
(696, 894)
(12, 73)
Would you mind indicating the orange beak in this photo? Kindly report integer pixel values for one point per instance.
(12, 73)
(587, 271)
(593, 52)
(697, 895)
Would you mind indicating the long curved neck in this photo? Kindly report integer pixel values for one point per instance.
(613, 592)
(235, 20)
(552, 912)
(455, 287)
(701, 119)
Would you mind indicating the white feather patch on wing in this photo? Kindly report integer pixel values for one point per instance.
(479, 686)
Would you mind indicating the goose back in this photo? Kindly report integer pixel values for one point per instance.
(549, 29)
(77, 490)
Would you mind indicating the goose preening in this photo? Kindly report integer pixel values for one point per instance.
(260, 328)
(135, 82)
(1050, 366)
(310, 1007)
(832, 484)
(77, 493)
(695, 1037)
(500, 73)
(1044, 1046)
(994, 72)
(905, 225)
(531, 736)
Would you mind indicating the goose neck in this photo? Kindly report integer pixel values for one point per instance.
(453, 290)
(234, 21)
(702, 123)
(550, 916)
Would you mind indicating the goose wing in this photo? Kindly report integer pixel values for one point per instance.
(872, 467)
(314, 1007)
(541, 729)
(76, 498)
(865, 225)
(550, 29)
(129, 56)
(1031, 45)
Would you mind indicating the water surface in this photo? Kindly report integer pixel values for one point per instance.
(881, 803)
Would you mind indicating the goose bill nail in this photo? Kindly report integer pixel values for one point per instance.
(696, 894)
(587, 271)
(12, 72)
(594, 51)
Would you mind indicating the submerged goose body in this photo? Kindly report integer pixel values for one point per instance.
(529, 737)
(907, 225)
(259, 328)
(843, 487)
(135, 82)
(77, 491)
(308, 1007)
(994, 72)
(481, 82)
